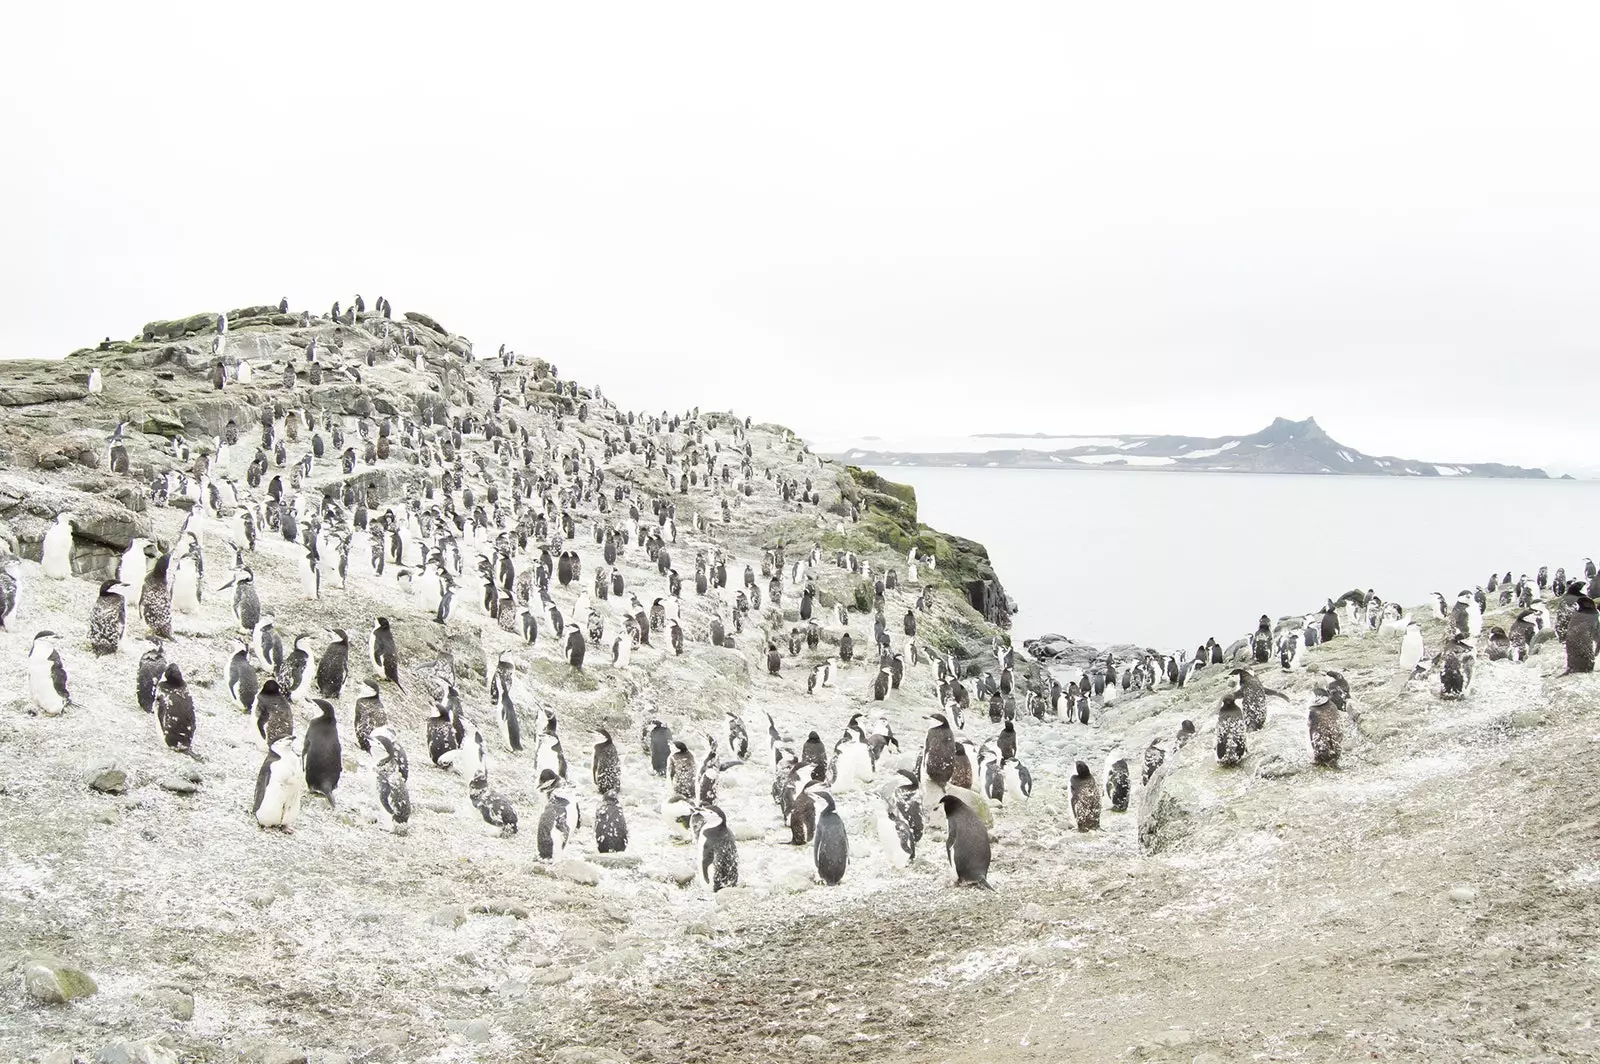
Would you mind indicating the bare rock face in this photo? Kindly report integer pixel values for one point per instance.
(101, 533)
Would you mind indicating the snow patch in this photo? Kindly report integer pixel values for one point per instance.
(1447, 471)
(1210, 452)
(1128, 459)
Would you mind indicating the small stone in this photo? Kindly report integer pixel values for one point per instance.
(260, 899)
(436, 805)
(1526, 718)
(575, 870)
(143, 1052)
(369, 916)
(589, 1055)
(614, 860)
(180, 784)
(477, 1031)
(502, 907)
(265, 1051)
(698, 929)
(105, 775)
(1172, 1038)
(618, 961)
(179, 1004)
(451, 916)
(1463, 895)
(1033, 913)
(108, 815)
(553, 976)
(812, 1045)
(49, 980)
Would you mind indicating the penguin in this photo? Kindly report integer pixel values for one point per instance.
(152, 666)
(295, 675)
(610, 825)
(175, 709)
(108, 619)
(8, 588)
(939, 751)
(606, 767)
(47, 676)
(1455, 664)
(576, 647)
(1154, 755)
(242, 683)
(322, 755)
(1085, 799)
(1230, 731)
(1411, 648)
(1583, 633)
(333, 666)
(830, 842)
(279, 786)
(1252, 697)
(380, 648)
(966, 843)
(738, 739)
(681, 771)
(495, 809)
(895, 834)
(717, 864)
(560, 819)
(369, 714)
(393, 792)
(658, 743)
(274, 713)
(1499, 644)
(1261, 641)
(1117, 785)
(815, 754)
(441, 731)
(56, 556)
(549, 754)
(155, 599)
(246, 603)
(774, 660)
(1327, 735)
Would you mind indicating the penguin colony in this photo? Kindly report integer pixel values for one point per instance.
(505, 536)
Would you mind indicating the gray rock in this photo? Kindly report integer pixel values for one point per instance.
(589, 1055)
(1034, 913)
(449, 916)
(181, 783)
(553, 976)
(575, 870)
(477, 1031)
(145, 1051)
(1463, 895)
(179, 1004)
(614, 860)
(267, 1051)
(812, 1045)
(437, 805)
(501, 907)
(105, 774)
(617, 961)
(54, 982)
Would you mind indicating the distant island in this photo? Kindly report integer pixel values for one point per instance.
(1282, 447)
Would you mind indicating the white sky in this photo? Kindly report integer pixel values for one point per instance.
(858, 219)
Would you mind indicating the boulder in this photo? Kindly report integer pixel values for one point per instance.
(416, 317)
(48, 979)
(104, 774)
(144, 1051)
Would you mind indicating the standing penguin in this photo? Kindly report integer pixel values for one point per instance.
(322, 757)
(717, 865)
(333, 665)
(279, 786)
(1583, 634)
(1261, 641)
(175, 709)
(246, 602)
(681, 771)
(274, 713)
(47, 676)
(606, 767)
(1085, 799)
(155, 599)
(494, 807)
(610, 825)
(1327, 736)
(966, 843)
(57, 549)
(1117, 785)
(510, 726)
(1455, 664)
(242, 684)
(576, 647)
(1230, 731)
(830, 844)
(8, 588)
(152, 666)
(658, 743)
(369, 714)
(939, 751)
(560, 819)
(393, 793)
(109, 618)
(380, 648)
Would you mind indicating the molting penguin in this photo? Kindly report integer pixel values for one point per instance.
(1230, 731)
(495, 809)
(8, 588)
(47, 676)
(1327, 735)
(323, 757)
(966, 843)
(1583, 634)
(1085, 799)
(57, 550)
(939, 751)
(560, 819)
(274, 713)
(393, 793)
(155, 599)
(246, 602)
(610, 825)
(1455, 664)
(369, 714)
(830, 844)
(717, 865)
(658, 744)
(175, 709)
(279, 786)
(1261, 641)
(333, 666)
(1118, 785)
(152, 666)
(109, 618)
(380, 648)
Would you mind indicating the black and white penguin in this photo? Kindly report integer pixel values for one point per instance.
(560, 819)
(1230, 731)
(47, 676)
(738, 739)
(175, 709)
(242, 682)
(1583, 636)
(279, 786)
(442, 733)
(1085, 799)
(717, 864)
(658, 743)
(108, 619)
(8, 589)
(966, 843)
(1327, 735)
(814, 753)
(246, 602)
(606, 767)
(1261, 641)
(576, 648)
(939, 751)
(510, 725)
(394, 794)
(1456, 663)
(369, 714)
(274, 713)
(56, 552)
(1118, 785)
(295, 675)
(494, 807)
(610, 825)
(322, 755)
(334, 664)
(152, 666)
(830, 842)
(381, 651)
(681, 772)
(1252, 698)
(155, 599)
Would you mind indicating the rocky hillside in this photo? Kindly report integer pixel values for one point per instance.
(1430, 899)
(1282, 447)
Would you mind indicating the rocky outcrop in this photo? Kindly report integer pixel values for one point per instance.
(102, 531)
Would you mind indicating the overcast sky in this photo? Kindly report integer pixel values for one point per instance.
(858, 218)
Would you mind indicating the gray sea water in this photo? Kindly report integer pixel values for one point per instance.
(1167, 559)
